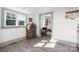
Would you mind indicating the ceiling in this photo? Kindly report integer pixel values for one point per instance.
(39, 10)
(47, 9)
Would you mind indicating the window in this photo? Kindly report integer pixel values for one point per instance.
(10, 22)
(13, 19)
(21, 19)
(10, 19)
(21, 22)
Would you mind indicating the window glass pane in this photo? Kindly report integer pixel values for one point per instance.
(21, 17)
(8, 15)
(21, 22)
(10, 22)
(10, 19)
(13, 16)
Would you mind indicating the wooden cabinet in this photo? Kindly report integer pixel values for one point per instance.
(31, 32)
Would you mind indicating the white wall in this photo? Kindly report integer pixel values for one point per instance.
(36, 21)
(12, 33)
(0, 18)
(64, 29)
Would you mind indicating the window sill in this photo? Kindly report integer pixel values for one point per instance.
(9, 27)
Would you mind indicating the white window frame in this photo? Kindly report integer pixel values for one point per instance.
(17, 21)
(5, 12)
(22, 20)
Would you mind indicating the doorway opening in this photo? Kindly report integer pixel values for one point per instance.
(46, 25)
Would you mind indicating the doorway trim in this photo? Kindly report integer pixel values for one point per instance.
(40, 22)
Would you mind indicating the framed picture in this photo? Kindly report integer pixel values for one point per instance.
(71, 15)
